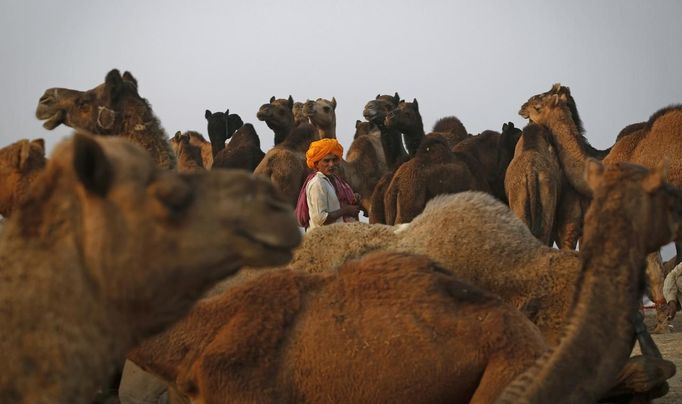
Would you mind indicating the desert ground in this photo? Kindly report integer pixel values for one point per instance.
(671, 348)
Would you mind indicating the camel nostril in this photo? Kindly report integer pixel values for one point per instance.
(45, 98)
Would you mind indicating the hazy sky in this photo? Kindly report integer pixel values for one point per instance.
(477, 60)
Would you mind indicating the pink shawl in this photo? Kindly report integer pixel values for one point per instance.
(343, 191)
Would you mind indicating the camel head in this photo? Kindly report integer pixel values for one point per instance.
(188, 154)
(20, 163)
(365, 128)
(299, 116)
(105, 109)
(653, 206)
(221, 126)
(538, 108)
(278, 113)
(377, 109)
(130, 219)
(405, 116)
(321, 112)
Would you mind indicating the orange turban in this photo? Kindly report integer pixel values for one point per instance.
(321, 148)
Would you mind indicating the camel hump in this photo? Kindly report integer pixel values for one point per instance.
(668, 116)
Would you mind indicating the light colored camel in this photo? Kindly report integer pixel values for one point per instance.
(189, 157)
(533, 182)
(239, 346)
(20, 164)
(107, 249)
(396, 328)
(112, 108)
(322, 115)
(278, 114)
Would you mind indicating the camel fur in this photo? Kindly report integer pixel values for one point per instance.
(114, 108)
(278, 114)
(243, 151)
(20, 163)
(107, 249)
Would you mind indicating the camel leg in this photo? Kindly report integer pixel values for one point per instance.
(499, 372)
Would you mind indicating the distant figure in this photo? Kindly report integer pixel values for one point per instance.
(325, 198)
(671, 291)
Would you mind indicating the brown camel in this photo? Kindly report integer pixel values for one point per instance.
(278, 114)
(452, 125)
(20, 164)
(299, 116)
(221, 126)
(285, 164)
(406, 119)
(189, 157)
(107, 249)
(494, 151)
(533, 181)
(646, 144)
(375, 111)
(197, 139)
(630, 216)
(405, 338)
(433, 171)
(112, 108)
(242, 152)
(322, 115)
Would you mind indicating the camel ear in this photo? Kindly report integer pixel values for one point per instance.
(334, 102)
(174, 193)
(656, 177)
(291, 102)
(396, 97)
(377, 97)
(272, 99)
(177, 136)
(357, 123)
(127, 76)
(415, 104)
(114, 83)
(40, 143)
(92, 167)
(556, 87)
(227, 112)
(594, 172)
(207, 114)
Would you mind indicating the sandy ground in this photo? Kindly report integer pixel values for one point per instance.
(670, 346)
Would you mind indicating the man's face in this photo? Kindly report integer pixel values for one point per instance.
(327, 165)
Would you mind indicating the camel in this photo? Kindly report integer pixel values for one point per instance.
(405, 338)
(322, 115)
(375, 111)
(433, 171)
(407, 119)
(635, 205)
(299, 116)
(20, 164)
(285, 164)
(533, 182)
(242, 152)
(112, 108)
(494, 151)
(221, 126)
(211, 360)
(451, 124)
(646, 144)
(108, 249)
(189, 157)
(279, 116)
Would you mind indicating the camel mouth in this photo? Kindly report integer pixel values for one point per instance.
(54, 120)
(271, 242)
(523, 113)
(261, 115)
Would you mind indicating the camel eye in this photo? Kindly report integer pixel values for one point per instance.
(326, 109)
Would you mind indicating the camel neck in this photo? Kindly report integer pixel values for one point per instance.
(413, 136)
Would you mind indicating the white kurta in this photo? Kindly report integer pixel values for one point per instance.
(322, 199)
(672, 284)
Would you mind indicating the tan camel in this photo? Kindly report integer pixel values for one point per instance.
(322, 115)
(404, 338)
(533, 182)
(279, 116)
(112, 108)
(243, 151)
(189, 157)
(285, 164)
(20, 163)
(107, 250)
(221, 126)
(433, 171)
(299, 116)
(635, 206)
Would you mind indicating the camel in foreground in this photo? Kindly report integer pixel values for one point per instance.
(107, 249)
(389, 327)
(112, 108)
(20, 164)
(272, 339)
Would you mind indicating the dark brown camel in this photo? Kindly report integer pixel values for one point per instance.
(433, 171)
(20, 164)
(112, 108)
(221, 126)
(278, 114)
(243, 151)
(375, 111)
(406, 119)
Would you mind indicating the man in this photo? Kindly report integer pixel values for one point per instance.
(325, 198)
(671, 291)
